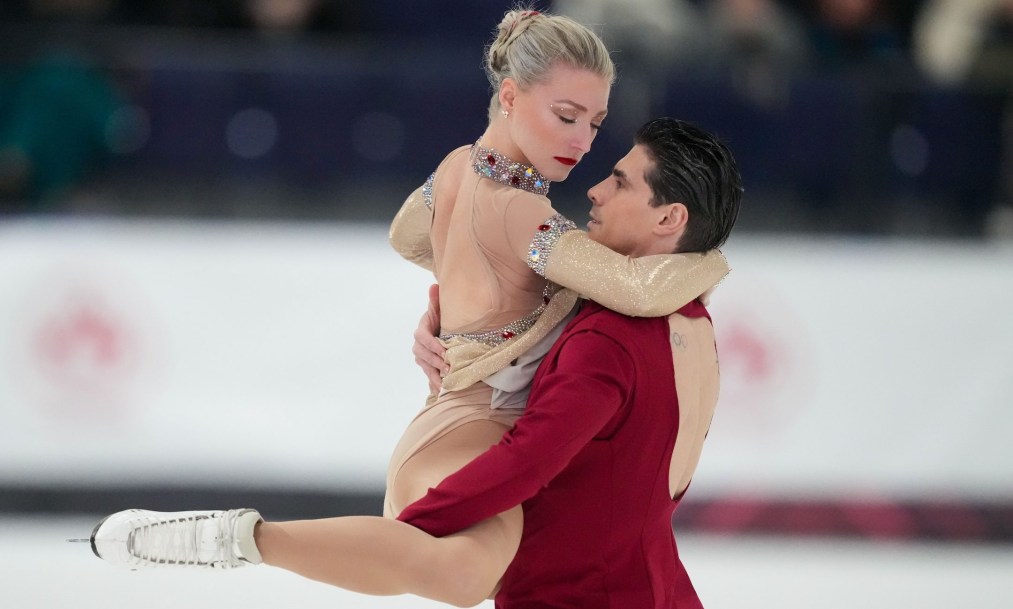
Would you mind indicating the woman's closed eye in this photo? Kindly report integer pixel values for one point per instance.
(573, 121)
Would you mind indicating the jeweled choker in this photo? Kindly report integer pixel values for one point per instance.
(493, 165)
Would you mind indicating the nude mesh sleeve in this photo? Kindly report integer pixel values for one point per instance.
(649, 286)
(409, 232)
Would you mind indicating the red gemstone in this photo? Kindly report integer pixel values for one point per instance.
(546, 299)
(491, 159)
(508, 335)
(515, 180)
(544, 227)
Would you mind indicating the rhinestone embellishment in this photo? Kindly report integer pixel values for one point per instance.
(427, 191)
(493, 165)
(545, 239)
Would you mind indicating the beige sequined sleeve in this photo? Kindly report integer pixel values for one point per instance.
(649, 286)
(409, 232)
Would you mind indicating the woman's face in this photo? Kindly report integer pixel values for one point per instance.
(554, 122)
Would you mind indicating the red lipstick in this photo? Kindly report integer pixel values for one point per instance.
(566, 161)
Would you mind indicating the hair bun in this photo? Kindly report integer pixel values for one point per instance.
(514, 24)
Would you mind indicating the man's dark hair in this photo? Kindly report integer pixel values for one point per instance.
(694, 168)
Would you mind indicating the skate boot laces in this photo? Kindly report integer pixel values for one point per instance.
(186, 539)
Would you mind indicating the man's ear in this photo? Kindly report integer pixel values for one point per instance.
(507, 94)
(674, 220)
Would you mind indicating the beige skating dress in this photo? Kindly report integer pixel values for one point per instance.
(510, 270)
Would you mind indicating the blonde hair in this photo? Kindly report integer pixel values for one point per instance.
(528, 43)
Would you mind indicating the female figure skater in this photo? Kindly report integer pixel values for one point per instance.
(483, 225)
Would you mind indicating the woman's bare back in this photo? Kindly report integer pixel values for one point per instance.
(480, 235)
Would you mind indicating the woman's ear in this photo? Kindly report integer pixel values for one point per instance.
(507, 94)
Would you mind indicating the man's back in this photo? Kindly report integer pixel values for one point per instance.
(695, 360)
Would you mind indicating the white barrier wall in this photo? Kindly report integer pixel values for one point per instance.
(278, 355)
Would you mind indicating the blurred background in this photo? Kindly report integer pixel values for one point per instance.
(198, 306)
(855, 116)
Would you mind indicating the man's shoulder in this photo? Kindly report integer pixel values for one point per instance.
(594, 316)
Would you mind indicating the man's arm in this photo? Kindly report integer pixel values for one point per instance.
(568, 407)
(428, 351)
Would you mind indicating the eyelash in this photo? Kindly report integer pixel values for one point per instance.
(571, 121)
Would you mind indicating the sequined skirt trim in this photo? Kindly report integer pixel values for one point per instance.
(513, 329)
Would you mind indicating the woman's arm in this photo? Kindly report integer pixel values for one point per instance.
(409, 232)
(649, 286)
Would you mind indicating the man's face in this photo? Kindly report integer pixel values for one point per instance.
(621, 214)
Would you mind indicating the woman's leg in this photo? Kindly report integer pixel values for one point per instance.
(439, 458)
(381, 556)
